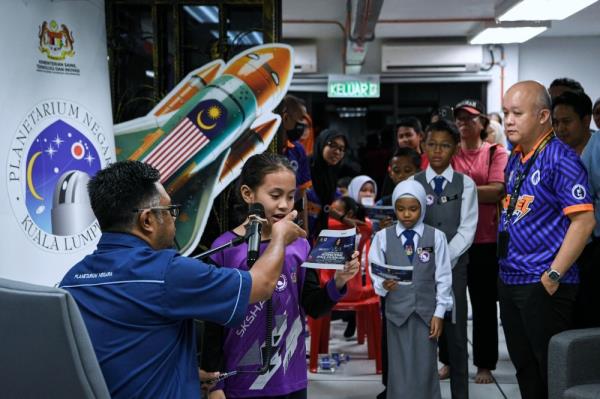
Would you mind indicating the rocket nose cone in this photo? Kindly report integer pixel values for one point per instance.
(267, 70)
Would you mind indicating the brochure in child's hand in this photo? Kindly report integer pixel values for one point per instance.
(401, 274)
(380, 212)
(332, 250)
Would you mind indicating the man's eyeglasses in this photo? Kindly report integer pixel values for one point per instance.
(335, 147)
(442, 146)
(172, 209)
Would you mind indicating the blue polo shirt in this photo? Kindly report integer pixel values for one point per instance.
(138, 305)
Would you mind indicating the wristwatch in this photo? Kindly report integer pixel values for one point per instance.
(553, 275)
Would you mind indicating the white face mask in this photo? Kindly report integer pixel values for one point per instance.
(367, 201)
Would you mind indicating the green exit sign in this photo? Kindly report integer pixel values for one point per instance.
(353, 86)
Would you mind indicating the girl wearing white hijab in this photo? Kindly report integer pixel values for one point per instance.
(361, 191)
(415, 308)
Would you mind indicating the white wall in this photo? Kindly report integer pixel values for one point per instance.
(545, 59)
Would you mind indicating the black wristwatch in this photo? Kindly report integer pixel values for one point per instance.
(553, 275)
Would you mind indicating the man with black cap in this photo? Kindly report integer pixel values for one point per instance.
(484, 163)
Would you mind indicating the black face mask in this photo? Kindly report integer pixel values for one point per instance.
(296, 132)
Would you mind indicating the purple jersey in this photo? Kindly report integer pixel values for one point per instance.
(555, 187)
(243, 344)
(297, 156)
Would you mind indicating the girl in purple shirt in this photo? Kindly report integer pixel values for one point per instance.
(269, 179)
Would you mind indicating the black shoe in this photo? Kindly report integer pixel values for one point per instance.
(350, 329)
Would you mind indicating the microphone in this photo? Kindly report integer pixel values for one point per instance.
(256, 214)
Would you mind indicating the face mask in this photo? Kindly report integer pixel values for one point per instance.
(367, 201)
(296, 132)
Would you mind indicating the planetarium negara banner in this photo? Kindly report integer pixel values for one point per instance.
(57, 132)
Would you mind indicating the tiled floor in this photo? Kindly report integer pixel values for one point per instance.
(357, 379)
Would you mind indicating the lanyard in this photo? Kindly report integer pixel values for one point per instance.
(521, 177)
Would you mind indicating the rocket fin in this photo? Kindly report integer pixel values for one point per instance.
(255, 140)
(188, 87)
(137, 135)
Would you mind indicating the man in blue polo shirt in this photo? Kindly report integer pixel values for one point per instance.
(547, 219)
(138, 297)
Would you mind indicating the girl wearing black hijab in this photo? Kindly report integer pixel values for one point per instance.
(325, 165)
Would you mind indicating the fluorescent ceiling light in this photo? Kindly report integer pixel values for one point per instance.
(507, 32)
(541, 10)
(506, 35)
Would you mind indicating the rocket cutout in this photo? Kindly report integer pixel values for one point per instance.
(202, 132)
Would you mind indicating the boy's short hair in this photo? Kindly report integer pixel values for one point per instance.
(409, 153)
(580, 102)
(444, 125)
(410, 121)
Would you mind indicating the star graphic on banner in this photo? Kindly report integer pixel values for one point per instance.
(58, 141)
(51, 151)
(89, 158)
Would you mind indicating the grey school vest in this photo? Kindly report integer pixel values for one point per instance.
(443, 211)
(420, 296)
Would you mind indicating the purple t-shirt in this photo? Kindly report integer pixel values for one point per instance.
(243, 344)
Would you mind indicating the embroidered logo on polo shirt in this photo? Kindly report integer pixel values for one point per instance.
(281, 283)
(578, 192)
(535, 177)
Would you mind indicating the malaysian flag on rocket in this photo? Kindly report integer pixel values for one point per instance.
(192, 134)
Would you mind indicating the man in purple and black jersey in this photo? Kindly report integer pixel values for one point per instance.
(546, 221)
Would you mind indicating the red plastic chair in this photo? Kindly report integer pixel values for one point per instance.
(362, 300)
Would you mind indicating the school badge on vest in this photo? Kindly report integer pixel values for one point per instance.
(424, 257)
(429, 199)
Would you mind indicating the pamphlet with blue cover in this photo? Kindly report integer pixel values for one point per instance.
(332, 249)
(401, 274)
(379, 212)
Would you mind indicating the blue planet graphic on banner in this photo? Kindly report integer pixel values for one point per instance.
(57, 148)
(60, 162)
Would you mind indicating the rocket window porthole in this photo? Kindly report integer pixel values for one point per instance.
(275, 78)
(253, 56)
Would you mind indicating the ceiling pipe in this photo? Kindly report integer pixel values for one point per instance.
(346, 29)
(363, 15)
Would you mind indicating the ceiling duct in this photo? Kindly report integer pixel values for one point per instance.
(362, 16)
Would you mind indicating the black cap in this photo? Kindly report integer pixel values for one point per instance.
(474, 107)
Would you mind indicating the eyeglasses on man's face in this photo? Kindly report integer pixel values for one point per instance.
(336, 147)
(172, 209)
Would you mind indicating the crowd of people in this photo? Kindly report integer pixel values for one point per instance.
(500, 207)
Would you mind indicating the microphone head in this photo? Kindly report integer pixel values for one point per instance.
(257, 209)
